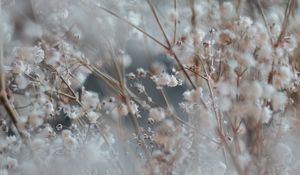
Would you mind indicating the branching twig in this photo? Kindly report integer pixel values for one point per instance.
(134, 26)
(288, 10)
(261, 10)
(233, 157)
(289, 7)
(159, 23)
(167, 47)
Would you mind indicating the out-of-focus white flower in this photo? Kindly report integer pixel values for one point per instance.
(70, 142)
(173, 81)
(74, 114)
(39, 54)
(229, 11)
(11, 163)
(246, 60)
(21, 81)
(290, 43)
(135, 18)
(35, 120)
(225, 104)
(66, 133)
(19, 67)
(89, 100)
(225, 37)
(158, 114)
(285, 73)
(232, 64)
(165, 79)
(279, 101)
(131, 75)
(47, 131)
(141, 72)
(38, 144)
(265, 52)
(133, 107)
(140, 87)
(125, 59)
(93, 116)
(49, 108)
(268, 91)
(123, 110)
(245, 23)
(225, 88)
(52, 57)
(266, 115)
(251, 90)
(193, 95)
(33, 30)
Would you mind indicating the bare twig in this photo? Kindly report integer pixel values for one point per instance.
(195, 40)
(238, 5)
(289, 8)
(158, 22)
(233, 157)
(74, 97)
(288, 11)
(167, 47)
(175, 22)
(11, 111)
(134, 26)
(262, 12)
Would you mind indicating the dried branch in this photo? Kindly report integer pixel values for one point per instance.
(11, 111)
(175, 22)
(134, 26)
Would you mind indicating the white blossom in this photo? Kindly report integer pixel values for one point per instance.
(158, 114)
(92, 116)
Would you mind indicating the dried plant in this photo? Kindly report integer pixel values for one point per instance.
(149, 87)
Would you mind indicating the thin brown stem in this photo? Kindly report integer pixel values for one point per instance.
(289, 7)
(169, 45)
(184, 71)
(288, 10)
(233, 157)
(195, 39)
(238, 7)
(134, 26)
(11, 111)
(168, 48)
(158, 22)
(175, 21)
(216, 112)
(74, 95)
(262, 12)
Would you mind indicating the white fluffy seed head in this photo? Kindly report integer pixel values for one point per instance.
(268, 91)
(11, 163)
(246, 60)
(158, 114)
(279, 101)
(89, 100)
(251, 90)
(66, 133)
(123, 110)
(21, 81)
